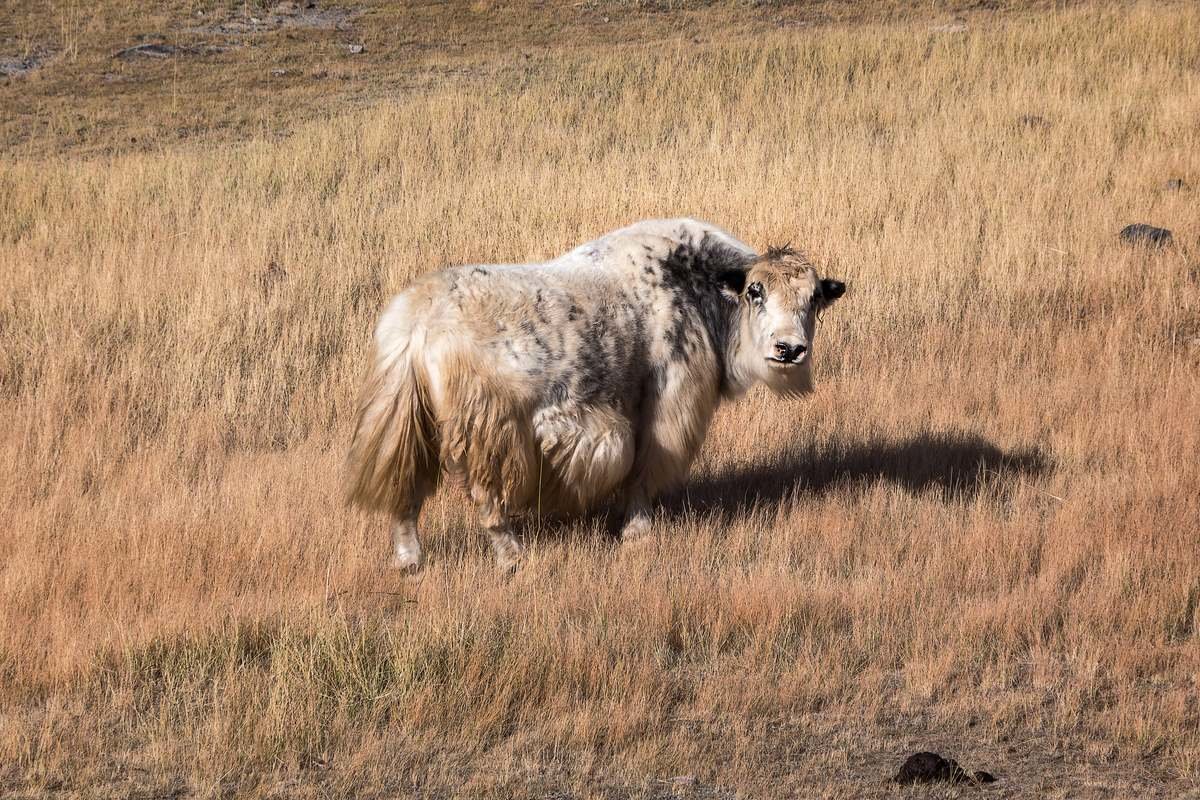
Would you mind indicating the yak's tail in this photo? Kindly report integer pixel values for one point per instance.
(393, 459)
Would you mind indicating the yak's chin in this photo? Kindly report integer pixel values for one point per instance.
(791, 381)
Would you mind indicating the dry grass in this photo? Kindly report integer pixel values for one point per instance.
(256, 68)
(979, 536)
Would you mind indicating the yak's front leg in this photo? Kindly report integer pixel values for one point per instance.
(678, 405)
(637, 527)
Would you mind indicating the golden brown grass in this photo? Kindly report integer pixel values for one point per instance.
(979, 536)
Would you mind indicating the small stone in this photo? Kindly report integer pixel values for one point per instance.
(1143, 234)
(355, 49)
(278, 72)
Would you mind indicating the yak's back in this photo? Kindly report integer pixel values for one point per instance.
(651, 244)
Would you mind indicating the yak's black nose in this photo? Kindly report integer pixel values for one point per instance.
(789, 352)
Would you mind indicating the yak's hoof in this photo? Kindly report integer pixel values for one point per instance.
(407, 571)
(508, 551)
(636, 533)
(508, 566)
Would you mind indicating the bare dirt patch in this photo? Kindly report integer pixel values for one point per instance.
(164, 50)
(18, 66)
(282, 16)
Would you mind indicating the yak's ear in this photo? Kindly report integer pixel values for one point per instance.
(831, 290)
(732, 281)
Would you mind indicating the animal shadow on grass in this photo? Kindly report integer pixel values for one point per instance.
(957, 465)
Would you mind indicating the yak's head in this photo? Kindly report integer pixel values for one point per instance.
(781, 300)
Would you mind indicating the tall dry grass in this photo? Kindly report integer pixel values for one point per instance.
(981, 531)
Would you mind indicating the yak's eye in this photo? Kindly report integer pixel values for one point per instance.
(755, 292)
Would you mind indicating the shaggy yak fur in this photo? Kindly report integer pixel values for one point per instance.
(553, 386)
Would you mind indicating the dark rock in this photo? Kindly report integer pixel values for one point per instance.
(930, 767)
(1140, 233)
(1176, 184)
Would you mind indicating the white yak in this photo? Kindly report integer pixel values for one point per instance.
(558, 385)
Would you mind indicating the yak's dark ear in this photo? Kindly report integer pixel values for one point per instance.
(732, 280)
(831, 290)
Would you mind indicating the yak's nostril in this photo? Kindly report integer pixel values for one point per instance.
(789, 352)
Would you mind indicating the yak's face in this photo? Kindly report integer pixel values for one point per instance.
(783, 297)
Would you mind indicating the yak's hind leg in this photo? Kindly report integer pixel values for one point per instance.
(679, 403)
(498, 525)
(407, 557)
(488, 440)
(501, 476)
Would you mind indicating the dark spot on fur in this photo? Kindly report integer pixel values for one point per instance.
(701, 313)
(557, 393)
(479, 271)
(531, 330)
(733, 280)
(589, 375)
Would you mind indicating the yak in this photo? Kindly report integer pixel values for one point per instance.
(559, 385)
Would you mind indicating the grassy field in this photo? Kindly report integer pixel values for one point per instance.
(980, 536)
